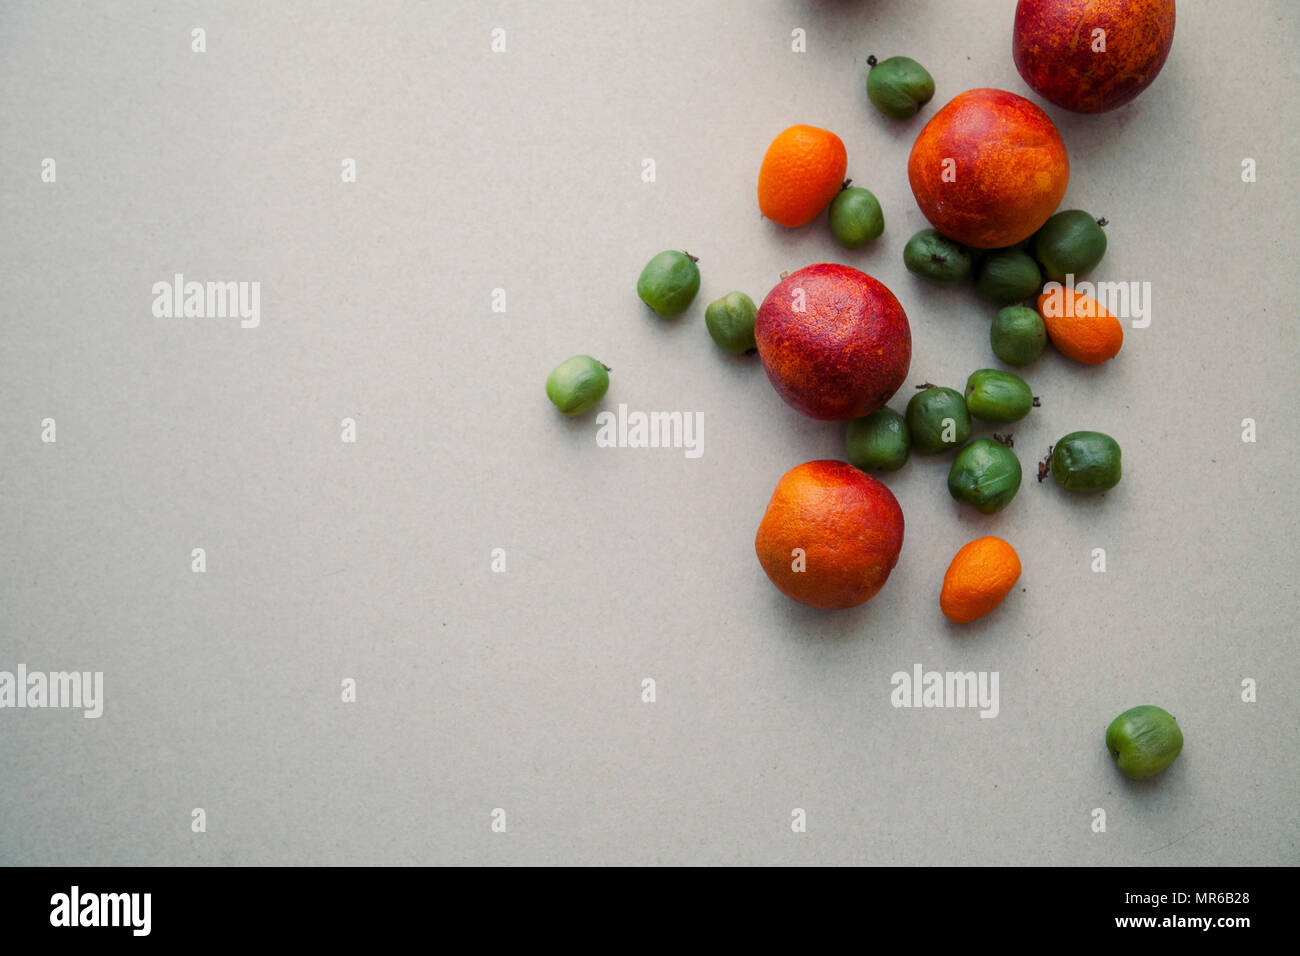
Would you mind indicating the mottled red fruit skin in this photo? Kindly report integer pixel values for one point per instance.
(1007, 163)
(1052, 47)
(845, 354)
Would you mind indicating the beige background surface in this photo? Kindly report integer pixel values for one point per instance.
(521, 690)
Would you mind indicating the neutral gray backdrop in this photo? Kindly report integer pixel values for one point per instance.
(521, 690)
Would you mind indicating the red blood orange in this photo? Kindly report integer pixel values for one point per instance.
(834, 341)
(988, 169)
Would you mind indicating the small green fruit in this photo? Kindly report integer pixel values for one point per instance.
(938, 419)
(898, 86)
(880, 441)
(934, 256)
(996, 396)
(856, 217)
(986, 475)
(1086, 461)
(669, 282)
(577, 384)
(1070, 243)
(1008, 275)
(730, 320)
(1018, 335)
(1144, 740)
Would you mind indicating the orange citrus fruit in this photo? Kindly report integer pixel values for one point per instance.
(1079, 326)
(981, 574)
(830, 536)
(988, 169)
(801, 173)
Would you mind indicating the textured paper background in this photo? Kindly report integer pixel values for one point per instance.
(521, 690)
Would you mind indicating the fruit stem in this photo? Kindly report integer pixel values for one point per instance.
(925, 385)
(1036, 402)
(606, 367)
(691, 257)
(871, 60)
(1045, 466)
(846, 185)
(1103, 222)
